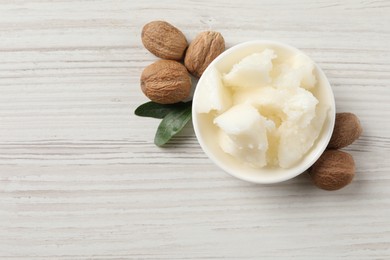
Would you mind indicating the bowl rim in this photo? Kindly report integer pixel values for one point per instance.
(299, 168)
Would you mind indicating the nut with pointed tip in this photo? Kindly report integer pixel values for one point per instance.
(166, 82)
(164, 40)
(333, 170)
(202, 51)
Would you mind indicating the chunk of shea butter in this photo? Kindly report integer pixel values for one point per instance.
(268, 100)
(251, 71)
(243, 134)
(305, 66)
(250, 156)
(297, 72)
(300, 107)
(295, 140)
(266, 96)
(214, 95)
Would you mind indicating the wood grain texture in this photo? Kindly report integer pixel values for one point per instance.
(80, 177)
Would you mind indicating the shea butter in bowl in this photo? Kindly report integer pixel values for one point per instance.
(263, 111)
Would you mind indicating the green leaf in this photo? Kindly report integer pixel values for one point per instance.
(155, 110)
(172, 124)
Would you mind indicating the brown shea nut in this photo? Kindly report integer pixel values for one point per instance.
(346, 130)
(166, 82)
(333, 170)
(164, 40)
(202, 51)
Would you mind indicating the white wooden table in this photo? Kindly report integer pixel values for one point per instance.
(80, 177)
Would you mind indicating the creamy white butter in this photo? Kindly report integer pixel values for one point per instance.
(243, 133)
(265, 111)
(252, 71)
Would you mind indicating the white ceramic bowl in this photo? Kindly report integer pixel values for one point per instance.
(206, 132)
